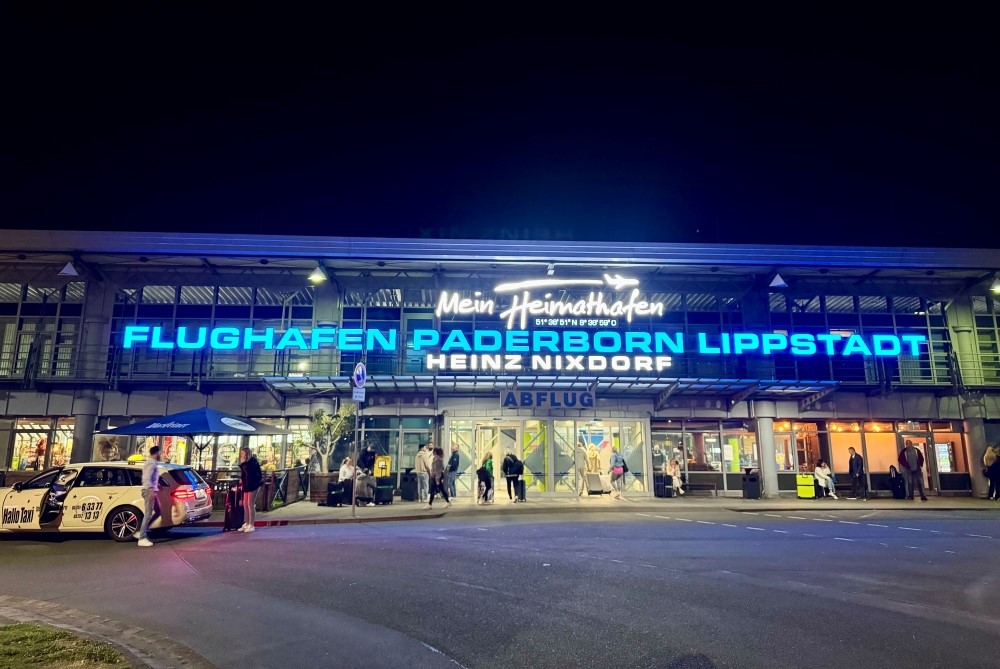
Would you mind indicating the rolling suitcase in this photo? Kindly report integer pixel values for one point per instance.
(335, 494)
(519, 489)
(594, 484)
(898, 484)
(383, 490)
(233, 518)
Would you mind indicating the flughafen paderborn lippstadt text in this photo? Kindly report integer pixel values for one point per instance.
(724, 358)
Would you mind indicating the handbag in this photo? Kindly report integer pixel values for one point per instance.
(624, 467)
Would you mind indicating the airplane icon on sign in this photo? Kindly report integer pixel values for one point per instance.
(618, 282)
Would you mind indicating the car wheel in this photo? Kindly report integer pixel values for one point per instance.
(122, 523)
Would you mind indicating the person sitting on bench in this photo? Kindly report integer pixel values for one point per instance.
(824, 477)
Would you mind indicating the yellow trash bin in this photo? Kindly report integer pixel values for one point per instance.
(805, 485)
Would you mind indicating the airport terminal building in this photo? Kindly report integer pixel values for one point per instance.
(723, 357)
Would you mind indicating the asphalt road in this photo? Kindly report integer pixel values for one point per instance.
(688, 590)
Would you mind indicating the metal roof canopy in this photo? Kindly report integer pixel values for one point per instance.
(732, 390)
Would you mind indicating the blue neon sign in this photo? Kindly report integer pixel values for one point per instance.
(533, 342)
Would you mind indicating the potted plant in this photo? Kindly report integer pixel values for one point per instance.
(326, 430)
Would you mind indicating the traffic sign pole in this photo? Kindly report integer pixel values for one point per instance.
(360, 376)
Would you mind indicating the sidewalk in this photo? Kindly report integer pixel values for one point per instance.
(310, 513)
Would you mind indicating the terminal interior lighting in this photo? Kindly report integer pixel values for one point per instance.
(551, 269)
(995, 286)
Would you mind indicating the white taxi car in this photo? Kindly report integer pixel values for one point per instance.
(102, 497)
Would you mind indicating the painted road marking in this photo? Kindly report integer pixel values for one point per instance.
(706, 522)
(780, 531)
(686, 520)
(773, 515)
(759, 529)
(911, 529)
(936, 531)
(797, 517)
(979, 536)
(823, 520)
(842, 539)
(643, 514)
(809, 535)
(876, 525)
(728, 525)
(949, 551)
(913, 547)
(848, 522)
(663, 517)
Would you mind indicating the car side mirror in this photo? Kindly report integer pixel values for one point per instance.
(17, 487)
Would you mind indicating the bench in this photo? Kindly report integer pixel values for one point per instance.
(709, 489)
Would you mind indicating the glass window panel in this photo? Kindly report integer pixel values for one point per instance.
(840, 441)
(534, 453)
(881, 451)
(739, 450)
(197, 295)
(873, 304)
(633, 449)
(570, 465)
(704, 451)
(235, 295)
(158, 295)
(878, 426)
(839, 304)
(949, 453)
(906, 305)
(460, 432)
(701, 302)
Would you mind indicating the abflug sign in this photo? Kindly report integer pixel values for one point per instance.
(538, 334)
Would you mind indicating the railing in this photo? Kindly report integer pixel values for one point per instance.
(111, 366)
(281, 487)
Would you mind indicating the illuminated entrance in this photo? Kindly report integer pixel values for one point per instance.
(556, 453)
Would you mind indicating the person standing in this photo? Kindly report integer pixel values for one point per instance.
(150, 496)
(511, 468)
(991, 469)
(911, 461)
(485, 474)
(580, 463)
(251, 479)
(453, 463)
(422, 469)
(856, 468)
(437, 478)
(366, 461)
(617, 465)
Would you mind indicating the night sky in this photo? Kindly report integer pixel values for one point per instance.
(510, 124)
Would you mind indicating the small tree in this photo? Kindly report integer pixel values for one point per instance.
(328, 429)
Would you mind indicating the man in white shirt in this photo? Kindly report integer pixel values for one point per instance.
(150, 495)
(422, 468)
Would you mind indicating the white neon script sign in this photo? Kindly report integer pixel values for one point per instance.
(525, 305)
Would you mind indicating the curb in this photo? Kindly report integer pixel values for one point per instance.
(142, 648)
(504, 511)
(322, 521)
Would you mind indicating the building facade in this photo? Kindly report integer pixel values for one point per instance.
(722, 357)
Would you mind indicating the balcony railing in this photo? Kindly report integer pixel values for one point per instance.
(112, 365)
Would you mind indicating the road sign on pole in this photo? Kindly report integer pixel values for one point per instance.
(358, 394)
(360, 375)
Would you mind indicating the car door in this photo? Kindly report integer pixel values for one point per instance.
(24, 504)
(95, 492)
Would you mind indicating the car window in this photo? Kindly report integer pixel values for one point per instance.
(103, 476)
(134, 476)
(43, 480)
(186, 477)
